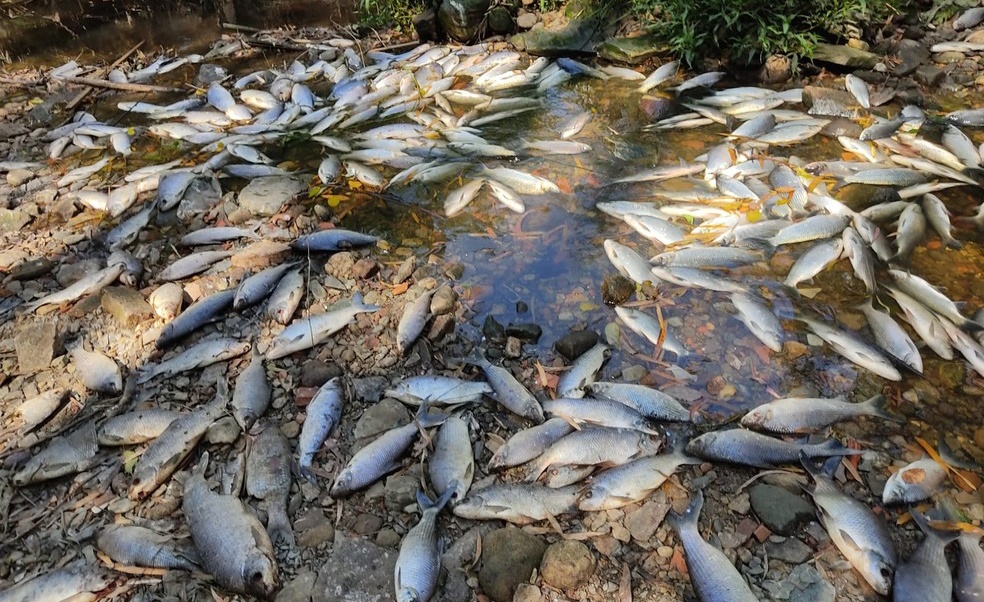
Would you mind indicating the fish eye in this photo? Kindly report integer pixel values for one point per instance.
(885, 572)
(256, 577)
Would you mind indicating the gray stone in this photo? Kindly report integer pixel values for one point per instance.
(357, 571)
(401, 491)
(126, 305)
(526, 592)
(575, 343)
(265, 196)
(791, 551)
(388, 538)
(948, 57)
(840, 126)
(36, 346)
(567, 564)
(461, 19)
(428, 29)
(830, 102)
(12, 220)
(457, 561)
(526, 20)
(16, 177)
(930, 76)
(579, 35)
(380, 418)
(657, 107)
(643, 522)
(443, 301)
(224, 431)
(911, 54)
(500, 21)
(780, 510)
(844, 56)
(632, 50)
(209, 73)
(370, 388)
(298, 589)
(202, 194)
(11, 130)
(810, 586)
(509, 556)
(315, 373)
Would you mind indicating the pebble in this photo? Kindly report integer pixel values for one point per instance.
(359, 570)
(792, 551)
(388, 538)
(643, 522)
(369, 389)
(299, 588)
(225, 430)
(366, 524)
(526, 20)
(780, 510)
(401, 491)
(575, 343)
(509, 556)
(527, 593)
(36, 346)
(567, 565)
(315, 373)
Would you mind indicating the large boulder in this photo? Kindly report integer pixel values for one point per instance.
(462, 19)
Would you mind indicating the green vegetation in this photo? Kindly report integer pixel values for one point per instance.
(943, 10)
(377, 14)
(748, 31)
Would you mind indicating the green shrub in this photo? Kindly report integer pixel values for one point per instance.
(944, 10)
(748, 31)
(377, 14)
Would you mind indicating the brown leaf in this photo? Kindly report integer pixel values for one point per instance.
(677, 562)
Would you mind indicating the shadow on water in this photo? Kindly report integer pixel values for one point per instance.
(36, 31)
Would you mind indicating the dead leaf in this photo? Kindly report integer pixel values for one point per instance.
(678, 563)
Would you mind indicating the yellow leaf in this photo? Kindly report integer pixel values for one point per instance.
(334, 199)
(354, 184)
(130, 458)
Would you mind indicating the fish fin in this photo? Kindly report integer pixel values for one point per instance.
(969, 325)
(199, 468)
(922, 521)
(278, 527)
(358, 303)
(476, 358)
(690, 514)
(877, 406)
(849, 541)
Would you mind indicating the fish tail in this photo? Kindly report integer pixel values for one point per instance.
(877, 407)
(278, 526)
(426, 503)
(833, 447)
(953, 243)
(969, 325)
(689, 517)
(476, 358)
(361, 305)
(946, 536)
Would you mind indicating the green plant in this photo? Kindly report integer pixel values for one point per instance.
(376, 14)
(944, 10)
(748, 31)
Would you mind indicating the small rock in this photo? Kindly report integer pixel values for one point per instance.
(509, 556)
(844, 56)
(209, 73)
(369, 389)
(911, 55)
(316, 535)
(16, 177)
(810, 586)
(572, 345)
(494, 331)
(440, 327)
(514, 348)
(265, 196)
(381, 417)
(70, 273)
(36, 346)
(526, 20)
(740, 503)
(567, 564)
(426, 25)
(225, 430)
(126, 305)
(780, 510)
(401, 491)
(527, 593)
(859, 44)
(644, 522)
(930, 76)
(777, 69)
(979, 438)
(315, 373)
(499, 20)
(365, 268)
(299, 588)
(359, 571)
(443, 301)
(948, 57)
(31, 269)
(291, 429)
(529, 333)
(12, 220)
(791, 551)
(366, 524)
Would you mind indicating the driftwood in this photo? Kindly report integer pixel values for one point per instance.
(125, 87)
(101, 73)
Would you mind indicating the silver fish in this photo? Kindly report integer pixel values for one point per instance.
(655, 228)
(969, 584)
(892, 338)
(854, 349)
(759, 319)
(461, 197)
(231, 543)
(78, 581)
(254, 289)
(507, 196)
(517, 503)
(284, 299)
(914, 482)
(334, 239)
(631, 482)
(91, 284)
(508, 391)
(932, 298)
(647, 326)
(98, 372)
(925, 575)
(519, 181)
(740, 446)
(213, 236)
(859, 535)
(704, 80)
(139, 546)
(628, 262)
(452, 465)
(583, 371)
(599, 412)
(859, 254)
(645, 400)
(438, 390)
(896, 176)
(65, 455)
(808, 415)
(814, 260)
(960, 145)
(251, 395)
(696, 278)
(706, 257)
(314, 330)
(200, 355)
(415, 317)
(39, 408)
(811, 228)
(858, 89)
(529, 443)
(322, 414)
(419, 563)
(192, 264)
(597, 446)
(911, 231)
(136, 427)
(205, 310)
(268, 478)
(714, 577)
(924, 322)
(938, 217)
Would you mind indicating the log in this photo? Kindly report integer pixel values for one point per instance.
(102, 72)
(125, 87)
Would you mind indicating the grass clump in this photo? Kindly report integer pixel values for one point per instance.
(398, 14)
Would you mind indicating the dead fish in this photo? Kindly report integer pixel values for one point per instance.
(528, 444)
(647, 401)
(648, 327)
(854, 349)
(925, 575)
(268, 479)
(136, 427)
(517, 503)
(892, 338)
(254, 289)
(598, 412)
(713, 576)
(419, 563)
(461, 197)
(914, 482)
(759, 320)
(316, 329)
(165, 453)
(214, 236)
(200, 355)
(927, 294)
(969, 584)
(438, 390)
(597, 446)
(323, 413)
(166, 300)
(583, 371)
(192, 264)
(415, 316)
(741, 446)
(631, 482)
(133, 545)
(809, 415)
(859, 535)
(335, 239)
(89, 285)
(77, 581)
(37, 409)
(97, 371)
(252, 393)
(65, 455)
(204, 311)
(508, 391)
(231, 543)
(858, 89)
(284, 299)
(452, 464)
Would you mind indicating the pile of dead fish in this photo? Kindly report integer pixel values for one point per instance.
(597, 446)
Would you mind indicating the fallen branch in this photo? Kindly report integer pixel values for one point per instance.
(101, 73)
(125, 87)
